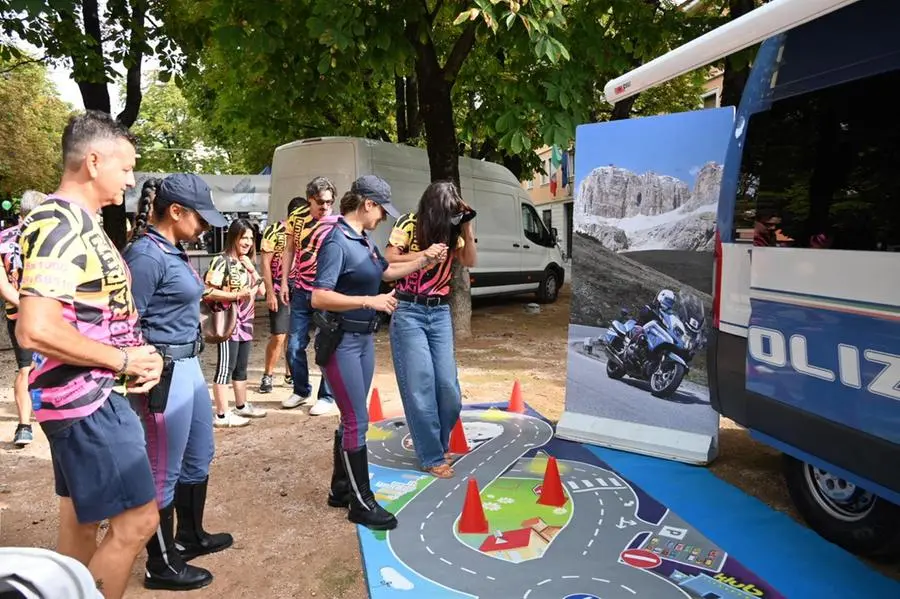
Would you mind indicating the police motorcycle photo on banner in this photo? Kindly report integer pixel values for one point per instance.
(646, 192)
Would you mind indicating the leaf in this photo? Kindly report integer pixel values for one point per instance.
(324, 63)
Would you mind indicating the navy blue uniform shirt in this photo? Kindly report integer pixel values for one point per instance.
(166, 290)
(351, 264)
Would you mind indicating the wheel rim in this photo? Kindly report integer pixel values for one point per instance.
(550, 286)
(840, 498)
(662, 376)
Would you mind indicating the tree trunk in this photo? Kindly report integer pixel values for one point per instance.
(400, 108)
(734, 79)
(413, 118)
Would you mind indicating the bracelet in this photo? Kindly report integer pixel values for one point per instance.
(124, 365)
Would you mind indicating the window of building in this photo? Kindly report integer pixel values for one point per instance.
(711, 100)
(821, 170)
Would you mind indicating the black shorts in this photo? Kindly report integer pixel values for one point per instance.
(23, 356)
(280, 321)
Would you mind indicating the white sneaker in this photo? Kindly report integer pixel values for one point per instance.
(250, 411)
(323, 407)
(229, 420)
(295, 400)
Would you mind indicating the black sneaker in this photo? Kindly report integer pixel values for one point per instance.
(24, 435)
(265, 386)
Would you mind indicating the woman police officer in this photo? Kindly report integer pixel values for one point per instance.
(176, 414)
(350, 272)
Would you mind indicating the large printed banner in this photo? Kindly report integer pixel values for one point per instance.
(230, 193)
(642, 259)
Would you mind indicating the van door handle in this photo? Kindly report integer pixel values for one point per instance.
(515, 245)
(526, 246)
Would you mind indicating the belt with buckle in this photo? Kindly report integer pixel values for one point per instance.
(360, 326)
(180, 351)
(424, 300)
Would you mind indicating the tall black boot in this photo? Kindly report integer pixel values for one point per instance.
(339, 494)
(190, 538)
(363, 507)
(166, 569)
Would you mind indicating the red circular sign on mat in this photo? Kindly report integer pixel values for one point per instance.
(639, 558)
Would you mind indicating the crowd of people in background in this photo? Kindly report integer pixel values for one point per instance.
(107, 343)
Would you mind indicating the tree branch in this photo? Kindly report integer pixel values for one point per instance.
(460, 52)
(22, 63)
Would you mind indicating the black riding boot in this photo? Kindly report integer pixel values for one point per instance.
(166, 569)
(339, 495)
(363, 507)
(191, 539)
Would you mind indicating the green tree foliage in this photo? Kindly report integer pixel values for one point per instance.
(171, 138)
(31, 125)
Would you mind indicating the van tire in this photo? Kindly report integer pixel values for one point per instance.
(548, 290)
(875, 533)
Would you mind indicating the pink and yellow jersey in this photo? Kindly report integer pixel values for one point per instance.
(305, 260)
(230, 275)
(274, 238)
(11, 256)
(67, 257)
(428, 281)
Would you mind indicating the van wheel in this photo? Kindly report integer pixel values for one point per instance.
(548, 291)
(847, 515)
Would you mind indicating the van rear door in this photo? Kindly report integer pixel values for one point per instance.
(296, 164)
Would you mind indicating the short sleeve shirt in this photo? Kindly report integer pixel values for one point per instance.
(434, 280)
(229, 274)
(166, 289)
(11, 255)
(350, 264)
(274, 238)
(67, 257)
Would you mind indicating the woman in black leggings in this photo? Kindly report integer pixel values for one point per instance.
(232, 277)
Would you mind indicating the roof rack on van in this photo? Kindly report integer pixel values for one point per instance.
(766, 21)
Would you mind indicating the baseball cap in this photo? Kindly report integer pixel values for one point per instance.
(191, 192)
(376, 189)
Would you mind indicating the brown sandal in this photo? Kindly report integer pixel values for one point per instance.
(440, 471)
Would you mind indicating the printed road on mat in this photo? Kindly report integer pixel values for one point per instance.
(609, 540)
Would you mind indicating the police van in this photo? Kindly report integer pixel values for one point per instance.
(516, 252)
(806, 310)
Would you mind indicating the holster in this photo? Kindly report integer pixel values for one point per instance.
(158, 396)
(328, 337)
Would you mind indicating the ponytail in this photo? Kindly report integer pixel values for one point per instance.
(145, 205)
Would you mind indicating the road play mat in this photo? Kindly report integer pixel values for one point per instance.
(533, 517)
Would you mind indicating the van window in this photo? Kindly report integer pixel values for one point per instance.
(820, 170)
(534, 230)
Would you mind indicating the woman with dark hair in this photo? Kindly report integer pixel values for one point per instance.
(176, 415)
(348, 277)
(421, 329)
(232, 277)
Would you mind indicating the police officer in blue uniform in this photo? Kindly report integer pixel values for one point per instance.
(349, 273)
(176, 414)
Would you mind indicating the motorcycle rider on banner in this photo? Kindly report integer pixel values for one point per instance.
(664, 302)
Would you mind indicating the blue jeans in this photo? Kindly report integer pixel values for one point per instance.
(298, 340)
(349, 372)
(180, 441)
(425, 365)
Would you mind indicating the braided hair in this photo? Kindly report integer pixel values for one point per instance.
(145, 204)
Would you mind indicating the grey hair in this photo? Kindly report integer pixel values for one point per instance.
(30, 200)
(88, 127)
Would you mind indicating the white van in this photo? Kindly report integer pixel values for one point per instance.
(516, 253)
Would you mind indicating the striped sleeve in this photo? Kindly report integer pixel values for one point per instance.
(215, 274)
(54, 256)
(272, 237)
(402, 233)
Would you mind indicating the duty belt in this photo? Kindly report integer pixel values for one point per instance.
(178, 351)
(360, 326)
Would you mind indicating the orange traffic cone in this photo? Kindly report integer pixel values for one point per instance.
(472, 520)
(515, 400)
(458, 442)
(375, 414)
(551, 490)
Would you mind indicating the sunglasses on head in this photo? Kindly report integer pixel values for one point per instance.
(462, 217)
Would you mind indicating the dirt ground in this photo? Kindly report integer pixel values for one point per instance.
(269, 480)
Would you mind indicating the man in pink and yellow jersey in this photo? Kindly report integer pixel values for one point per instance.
(77, 315)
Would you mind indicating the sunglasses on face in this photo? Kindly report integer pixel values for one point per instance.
(322, 202)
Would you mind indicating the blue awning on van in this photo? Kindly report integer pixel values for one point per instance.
(851, 43)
